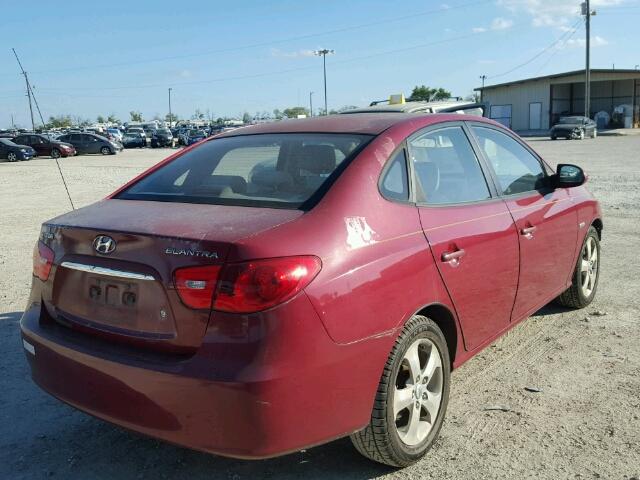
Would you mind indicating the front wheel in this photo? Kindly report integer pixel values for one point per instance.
(12, 157)
(105, 151)
(585, 275)
(55, 153)
(412, 397)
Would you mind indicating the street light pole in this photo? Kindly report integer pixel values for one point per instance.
(586, 11)
(483, 78)
(170, 116)
(323, 53)
(311, 104)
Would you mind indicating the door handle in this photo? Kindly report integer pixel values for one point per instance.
(453, 257)
(527, 232)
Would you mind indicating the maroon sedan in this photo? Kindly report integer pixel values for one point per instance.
(283, 285)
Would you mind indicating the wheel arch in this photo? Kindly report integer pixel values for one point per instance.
(447, 323)
(598, 225)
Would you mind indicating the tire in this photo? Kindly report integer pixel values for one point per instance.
(389, 438)
(55, 153)
(106, 151)
(553, 137)
(12, 157)
(584, 282)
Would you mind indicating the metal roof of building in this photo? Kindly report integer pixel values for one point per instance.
(560, 75)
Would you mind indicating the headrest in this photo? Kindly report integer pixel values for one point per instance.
(318, 159)
(273, 179)
(235, 182)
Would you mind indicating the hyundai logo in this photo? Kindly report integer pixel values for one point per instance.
(104, 244)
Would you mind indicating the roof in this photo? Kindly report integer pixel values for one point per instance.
(363, 123)
(560, 75)
(410, 107)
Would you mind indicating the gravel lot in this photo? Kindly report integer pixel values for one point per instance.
(583, 424)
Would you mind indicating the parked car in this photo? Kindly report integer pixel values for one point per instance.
(286, 284)
(138, 130)
(183, 134)
(91, 143)
(14, 152)
(194, 136)
(574, 128)
(162, 138)
(45, 145)
(133, 140)
(116, 133)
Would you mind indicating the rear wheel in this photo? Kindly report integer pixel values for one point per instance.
(105, 151)
(412, 397)
(55, 153)
(586, 274)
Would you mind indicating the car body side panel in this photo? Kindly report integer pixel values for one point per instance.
(483, 282)
(546, 255)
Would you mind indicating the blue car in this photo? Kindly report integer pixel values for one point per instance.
(195, 136)
(13, 152)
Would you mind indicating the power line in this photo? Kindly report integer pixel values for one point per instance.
(537, 55)
(553, 54)
(443, 9)
(290, 70)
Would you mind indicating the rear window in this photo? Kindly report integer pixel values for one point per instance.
(284, 170)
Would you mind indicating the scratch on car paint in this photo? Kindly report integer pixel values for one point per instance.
(359, 233)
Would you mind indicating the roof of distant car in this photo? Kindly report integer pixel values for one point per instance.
(366, 123)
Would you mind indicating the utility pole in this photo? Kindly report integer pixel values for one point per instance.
(323, 53)
(26, 79)
(311, 104)
(587, 13)
(483, 78)
(170, 118)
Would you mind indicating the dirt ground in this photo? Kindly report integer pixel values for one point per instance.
(584, 423)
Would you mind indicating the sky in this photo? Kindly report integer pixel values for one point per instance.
(98, 58)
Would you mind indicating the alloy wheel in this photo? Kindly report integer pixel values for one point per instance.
(12, 157)
(589, 267)
(418, 392)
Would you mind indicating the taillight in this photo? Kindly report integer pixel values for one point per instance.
(42, 261)
(261, 284)
(245, 287)
(196, 285)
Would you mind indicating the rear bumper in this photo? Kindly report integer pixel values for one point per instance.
(259, 386)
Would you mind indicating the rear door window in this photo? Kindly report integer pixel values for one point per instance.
(279, 170)
(446, 168)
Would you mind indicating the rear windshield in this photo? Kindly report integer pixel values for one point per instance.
(283, 170)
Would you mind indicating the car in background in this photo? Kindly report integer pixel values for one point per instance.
(133, 140)
(339, 265)
(439, 106)
(138, 130)
(574, 128)
(116, 133)
(85, 143)
(14, 152)
(194, 136)
(46, 145)
(162, 137)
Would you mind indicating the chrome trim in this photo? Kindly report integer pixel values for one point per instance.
(110, 272)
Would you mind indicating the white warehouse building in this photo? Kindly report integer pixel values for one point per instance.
(537, 103)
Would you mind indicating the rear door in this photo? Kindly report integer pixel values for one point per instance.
(469, 229)
(546, 220)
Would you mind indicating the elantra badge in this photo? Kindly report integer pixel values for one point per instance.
(104, 244)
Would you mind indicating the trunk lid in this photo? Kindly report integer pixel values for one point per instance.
(127, 293)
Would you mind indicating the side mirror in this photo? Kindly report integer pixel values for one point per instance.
(568, 176)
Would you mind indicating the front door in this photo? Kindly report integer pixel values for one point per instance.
(535, 116)
(469, 229)
(546, 220)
